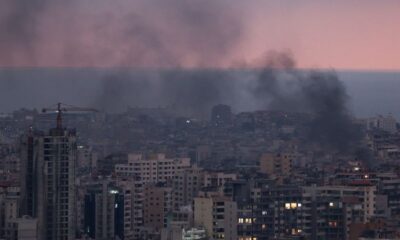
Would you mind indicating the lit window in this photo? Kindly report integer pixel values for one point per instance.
(332, 224)
(299, 205)
(331, 204)
(296, 231)
(293, 205)
(264, 212)
(240, 220)
(287, 205)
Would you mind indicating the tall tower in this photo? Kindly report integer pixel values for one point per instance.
(48, 181)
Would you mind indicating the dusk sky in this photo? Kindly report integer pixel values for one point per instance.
(341, 34)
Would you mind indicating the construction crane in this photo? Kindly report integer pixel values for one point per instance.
(60, 108)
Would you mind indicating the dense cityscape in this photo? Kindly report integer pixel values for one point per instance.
(79, 173)
(199, 120)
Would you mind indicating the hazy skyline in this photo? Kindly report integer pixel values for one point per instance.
(362, 35)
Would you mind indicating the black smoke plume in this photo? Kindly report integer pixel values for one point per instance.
(280, 86)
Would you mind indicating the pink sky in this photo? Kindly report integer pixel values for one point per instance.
(341, 34)
(330, 34)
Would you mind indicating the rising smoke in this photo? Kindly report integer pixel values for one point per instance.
(140, 33)
(280, 86)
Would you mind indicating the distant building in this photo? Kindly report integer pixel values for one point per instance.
(221, 115)
(157, 168)
(279, 164)
(386, 123)
(218, 179)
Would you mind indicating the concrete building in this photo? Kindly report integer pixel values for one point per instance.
(216, 214)
(157, 203)
(276, 164)
(282, 212)
(365, 195)
(218, 179)
(24, 228)
(48, 182)
(131, 216)
(155, 169)
(386, 123)
(186, 185)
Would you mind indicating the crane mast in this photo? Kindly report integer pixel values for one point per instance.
(59, 109)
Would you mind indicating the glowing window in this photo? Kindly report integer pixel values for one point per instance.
(264, 212)
(332, 224)
(263, 226)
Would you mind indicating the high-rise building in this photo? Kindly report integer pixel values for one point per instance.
(129, 219)
(283, 211)
(48, 181)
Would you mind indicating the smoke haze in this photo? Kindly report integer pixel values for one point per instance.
(119, 33)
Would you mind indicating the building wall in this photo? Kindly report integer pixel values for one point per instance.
(152, 170)
(276, 164)
(218, 215)
(157, 203)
